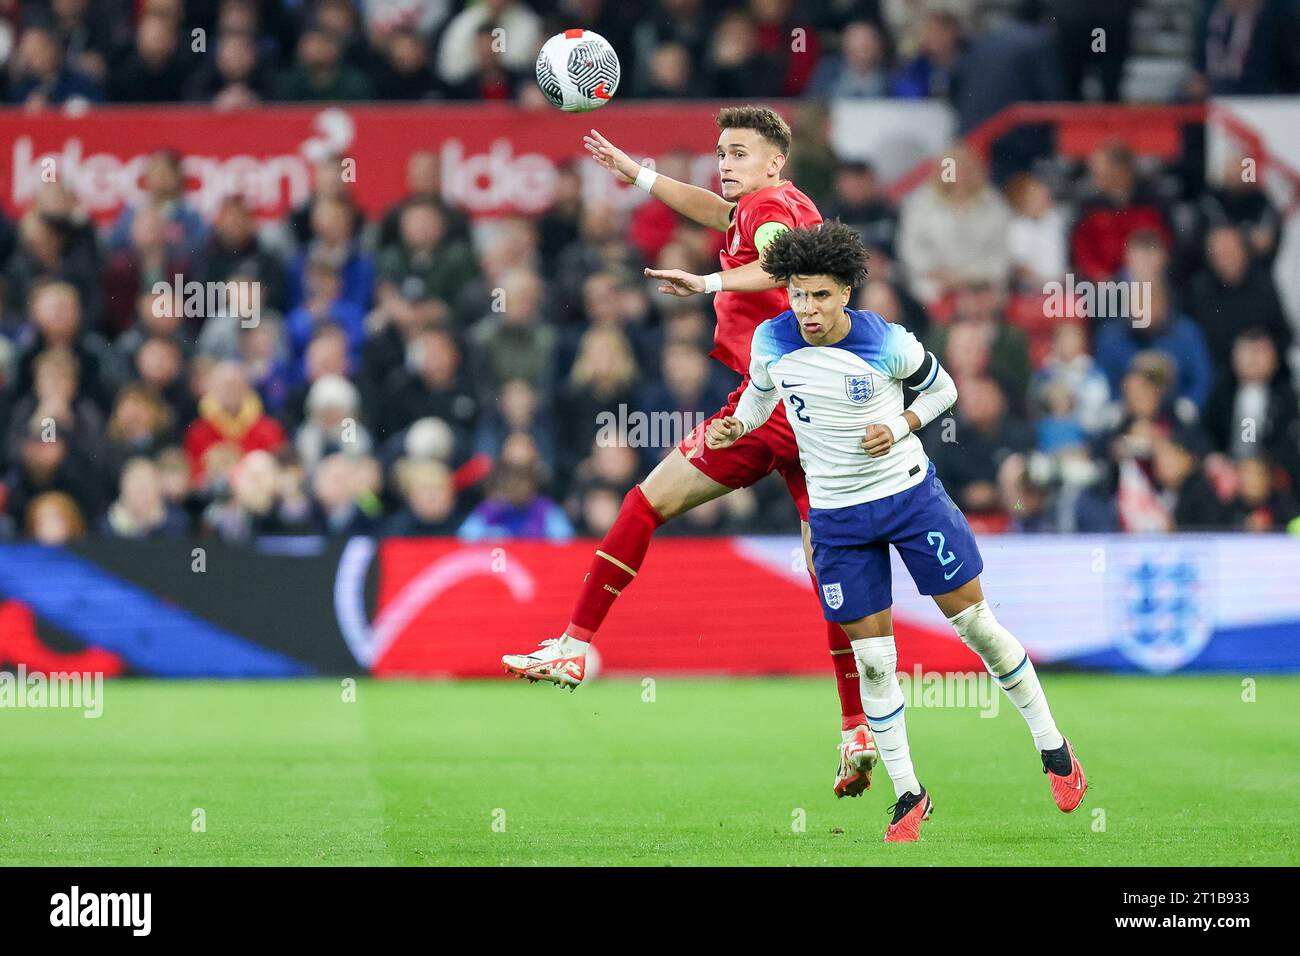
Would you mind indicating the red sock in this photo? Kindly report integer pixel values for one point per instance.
(846, 673)
(616, 562)
(846, 677)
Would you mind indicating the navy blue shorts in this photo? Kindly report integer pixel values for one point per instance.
(851, 548)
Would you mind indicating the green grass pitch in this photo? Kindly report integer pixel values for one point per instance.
(711, 772)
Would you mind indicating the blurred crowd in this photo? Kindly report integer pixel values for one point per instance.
(416, 373)
(236, 53)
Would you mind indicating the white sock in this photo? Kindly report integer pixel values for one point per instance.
(882, 699)
(568, 646)
(1008, 662)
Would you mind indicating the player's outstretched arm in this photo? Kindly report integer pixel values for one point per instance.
(747, 278)
(699, 205)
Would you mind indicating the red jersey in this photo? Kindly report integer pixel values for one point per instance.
(739, 313)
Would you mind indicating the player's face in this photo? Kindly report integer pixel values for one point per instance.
(818, 302)
(746, 163)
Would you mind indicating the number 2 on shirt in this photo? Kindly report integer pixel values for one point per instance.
(797, 404)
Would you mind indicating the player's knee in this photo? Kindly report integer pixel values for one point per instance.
(877, 658)
(982, 633)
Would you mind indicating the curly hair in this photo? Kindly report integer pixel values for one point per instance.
(831, 249)
(767, 123)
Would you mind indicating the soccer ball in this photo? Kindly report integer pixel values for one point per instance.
(577, 70)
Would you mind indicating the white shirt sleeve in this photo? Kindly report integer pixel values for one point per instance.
(759, 399)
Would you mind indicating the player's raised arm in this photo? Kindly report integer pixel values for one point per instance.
(699, 205)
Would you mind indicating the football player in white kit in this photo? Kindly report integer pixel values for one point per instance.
(841, 374)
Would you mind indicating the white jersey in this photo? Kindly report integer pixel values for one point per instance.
(833, 392)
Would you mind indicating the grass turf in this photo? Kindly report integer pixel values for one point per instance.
(712, 772)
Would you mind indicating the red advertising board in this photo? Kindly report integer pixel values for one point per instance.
(496, 159)
(697, 606)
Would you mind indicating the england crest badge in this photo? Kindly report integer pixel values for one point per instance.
(860, 388)
(834, 595)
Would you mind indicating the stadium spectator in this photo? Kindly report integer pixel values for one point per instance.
(1155, 326)
(1246, 48)
(459, 49)
(164, 183)
(859, 70)
(1259, 504)
(54, 405)
(954, 229)
(333, 240)
(54, 518)
(434, 385)
(1181, 482)
(1235, 293)
(1120, 205)
(333, 422)
(515, 507)
(597, 507)
(423, 184)
(141, 424)
(384, 17)
(683, 394)
(1010, 61)
(1036, 234)
(671, 73)
(327, 354)
(246, 510)
(515, 341)
(43, 78)
(787, 43)
(231, 421)
(736, 66)
(157, 68)
(234, 78)
(602, 378)
(159, 364)
(321, 74)
(491, 78)
(1077, 26)
(44, 255)
(929, 72)
(89, 34)
(979, 341)
(426, 262)
(46, 463)
(141, 511)
(234, 249)
(429, 501)
(404, 73)
(1238, 199)
(332, 178)
(324, 305)
(860, 202)
(148, 261)
(56, 323)
(1252, 410)
(1069, 366)
(983, 434)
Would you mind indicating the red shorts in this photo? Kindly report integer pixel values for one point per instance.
(768, 448)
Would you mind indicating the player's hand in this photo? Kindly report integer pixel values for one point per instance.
(611, 157)
(676, 282)
(877, 440)
(722, 432)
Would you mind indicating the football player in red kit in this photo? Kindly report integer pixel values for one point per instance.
(755, 207)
